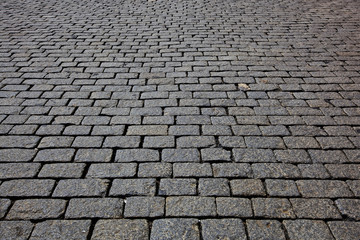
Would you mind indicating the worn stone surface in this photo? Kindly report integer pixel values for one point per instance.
(36, 209)
(15, 230)
(172, 187)
(272, 208)
(233, 207)
(243, 110)
(175, 228)
(26, 188)
(265, 230)
(307, 229)
(345, 230)
(94, 208)
(349, 207)
(133, 187)
(111, 170)
(190, 206)
(4, 206)
(315, 208)
(81, 187)
(223, 229)
(121, 229)
(144, 207)
(61, 229)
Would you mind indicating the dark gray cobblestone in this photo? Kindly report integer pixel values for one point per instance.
(192, 119)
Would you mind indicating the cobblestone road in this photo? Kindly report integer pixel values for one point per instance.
(184, 119)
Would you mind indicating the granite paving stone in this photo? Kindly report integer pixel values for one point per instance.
(121, 229)
(144, 207)
(26, 188)
(16, 230)
(154, 119)
(133, 187)
(94, 208)
(81, 187)
(233, 207)
(223, 229)
(265, 229)
(36, 209)
(344, 229)
(175, 229)
(61, 229)
(307, 229)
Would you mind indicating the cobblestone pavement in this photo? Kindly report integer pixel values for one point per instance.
(184, 119)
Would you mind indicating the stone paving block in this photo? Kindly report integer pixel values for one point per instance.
(36, 209)
(108, 130)
(93, 155)
(195, 142)
(246, 130)
(180, 155)
(147, 130)
(192, 170)
(144, 207)
(122, 142)
(323, 189)
(345, 230)
(133, 187)
(184, 130)
(216, 130)
(18, 170)
(26, 188)
(214, 187)
(17, 155)
(215, 154)
(175, 229)
(15, 230)
(313, 171)
(264, 142)
(231, 170)
(233, 207)
(155, 170)
(247, 187)
(292, 156)
(94, 208)
(223, 229)
(86, 142)
(55, 142)
(272, 208)
(137, 155)
(307, 229)
(177, 187)
(353, 155)
(61, 230)
(55, 155)
(81, 187)
(62, 170)
(121, 229)
(111, 170)
(4, 206)
(301, 142)
(354, 186)
(265, 230)
(231, 142)
(159, 142)
(190, 206)
(19, 141)
(334, 142)
(253, 155)
(275, 170)
(349, 208)
(348, 171)
(281, 188)
(315, 208)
